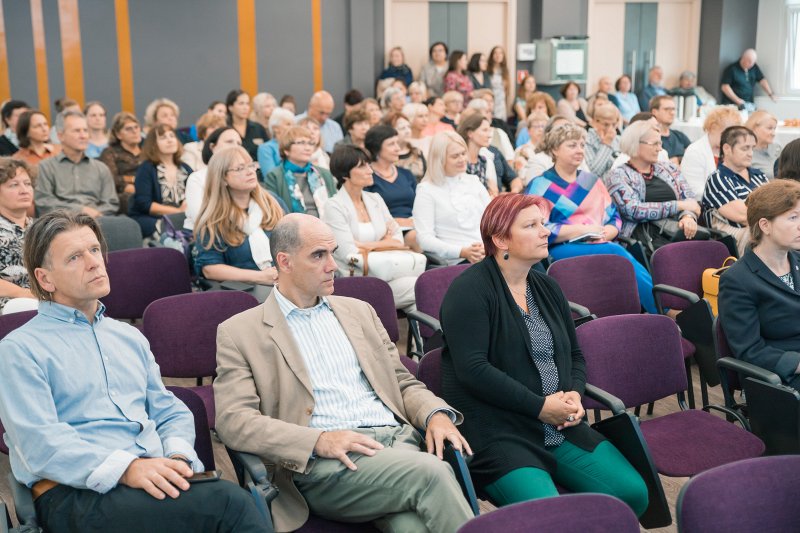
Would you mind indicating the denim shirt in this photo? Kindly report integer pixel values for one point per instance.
(81, 401)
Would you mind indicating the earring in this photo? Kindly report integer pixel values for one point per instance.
(505, 255)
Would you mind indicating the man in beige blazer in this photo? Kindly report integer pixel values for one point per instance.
(312, 384)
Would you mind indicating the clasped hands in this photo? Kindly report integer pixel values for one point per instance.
(157, 476)
(559, 406)
(337, 444)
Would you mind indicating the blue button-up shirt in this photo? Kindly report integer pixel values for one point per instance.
(80, 401)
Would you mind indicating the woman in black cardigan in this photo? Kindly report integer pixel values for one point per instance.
(759, 296)
(511, 364)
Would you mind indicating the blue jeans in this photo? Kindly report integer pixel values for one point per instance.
(643, 279)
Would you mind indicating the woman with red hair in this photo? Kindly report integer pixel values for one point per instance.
(524, 421)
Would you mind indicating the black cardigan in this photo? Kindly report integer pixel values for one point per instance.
(488, 372)
(759, 314)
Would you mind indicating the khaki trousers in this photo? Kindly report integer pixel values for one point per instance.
(400, 488)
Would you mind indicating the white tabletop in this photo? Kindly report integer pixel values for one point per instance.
(694, 130)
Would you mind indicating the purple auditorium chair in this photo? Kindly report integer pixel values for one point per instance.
(182, 331)
(378, 294)
(429, 370)
(429, 291)
(758, 494)
(202, 433)
(606, 286)
(9, 323)
(677, 284)
(570, 513)
(773, 409)
(141, 276)
(643, 368)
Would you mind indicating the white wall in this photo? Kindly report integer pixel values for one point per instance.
(771, 39)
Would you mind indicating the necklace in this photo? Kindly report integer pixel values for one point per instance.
(517, 292)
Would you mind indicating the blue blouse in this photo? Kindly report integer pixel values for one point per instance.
(399, 196)
(235, 256)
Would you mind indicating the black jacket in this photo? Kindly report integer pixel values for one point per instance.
(488, 372)
(760, 314)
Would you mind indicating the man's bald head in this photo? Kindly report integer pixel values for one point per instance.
(748, 59)
(291, 231)
(320, 106)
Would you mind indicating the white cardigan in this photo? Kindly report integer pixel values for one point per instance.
(340, 214)
(447, 217)
(697, 165)
(195, 191)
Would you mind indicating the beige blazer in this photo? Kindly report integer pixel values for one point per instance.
(264, 399)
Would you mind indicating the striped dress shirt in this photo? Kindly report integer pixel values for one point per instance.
(343, 397)
(725, 186)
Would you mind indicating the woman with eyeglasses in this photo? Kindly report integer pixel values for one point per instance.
(160, 186)
(647, 190)
(124, 154)
(234, 228)
(302, 186)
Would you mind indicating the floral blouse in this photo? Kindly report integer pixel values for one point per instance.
(11, 267)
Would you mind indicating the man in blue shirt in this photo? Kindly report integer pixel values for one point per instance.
(89, 425)
(653, 87)
(320, 108)
(740, 78)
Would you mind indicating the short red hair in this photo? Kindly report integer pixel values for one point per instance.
(501, 213)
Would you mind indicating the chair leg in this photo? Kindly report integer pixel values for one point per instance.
(597, 416)
(650, 407)
(637, 410)
(689, 381)
(703, 390)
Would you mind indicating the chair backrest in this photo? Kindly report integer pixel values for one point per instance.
(182, 330)
(10, 322)
(121, 233)
(3, 447)
(411, 365)
(202, 434)
(375, 292)
(681, 264)
(568, 513)
(759, 494)
(429, 291)
(142, 276)
(606, 284)
(637, 358)
(430, 371)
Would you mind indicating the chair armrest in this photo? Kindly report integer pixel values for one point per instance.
(606, 398)
(729, 412)
(749, 370)
(425, 319)
(626, 240)
(580, 310)
(253, 466)
(23, 502)
(674, 291)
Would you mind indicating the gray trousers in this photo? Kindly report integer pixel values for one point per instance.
(400, 488)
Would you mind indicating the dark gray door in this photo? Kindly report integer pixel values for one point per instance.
(641, 21)
(448, 23)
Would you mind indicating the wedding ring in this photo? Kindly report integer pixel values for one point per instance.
(571, 418)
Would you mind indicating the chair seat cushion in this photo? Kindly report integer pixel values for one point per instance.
(206, 393)
(687, 348)
(688, 442)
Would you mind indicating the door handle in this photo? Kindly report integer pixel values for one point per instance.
(633, 70)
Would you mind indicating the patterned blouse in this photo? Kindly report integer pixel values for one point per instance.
(453, 81)
(121, 163)
(172, 193)
(11, 268)
(583, 201)
(627, 188)
(543, 352)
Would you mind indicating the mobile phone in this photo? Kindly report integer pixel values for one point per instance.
(202, 477)
(586, 237)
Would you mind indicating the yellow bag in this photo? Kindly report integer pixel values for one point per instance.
(711, 282)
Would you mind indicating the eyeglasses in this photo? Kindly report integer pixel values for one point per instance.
(244, 168)
(132, 128)
(303, 143)
(651, 143)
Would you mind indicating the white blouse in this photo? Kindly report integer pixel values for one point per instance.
(447, 217)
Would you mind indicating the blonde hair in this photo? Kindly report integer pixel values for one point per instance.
(411, 110)
(437, 155)
(722, 115)
(759, 117)
(451, 96)
(155, 105)
(290, 136)
(221, 219)
(536, 116)
(558, 136)
(209, 121)
(633, 135)
(606, 112)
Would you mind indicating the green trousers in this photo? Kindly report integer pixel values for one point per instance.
(603, 470)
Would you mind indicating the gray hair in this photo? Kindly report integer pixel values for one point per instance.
(633, 135)
(62, 117)
(561, 134)
(687, 75)
(388, 94)
(478, 104)
(279, 114)
(285, 237)
(40, 235)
